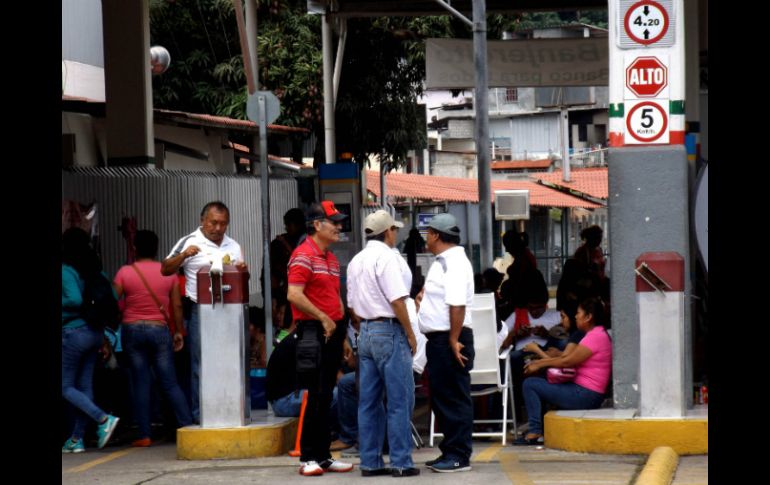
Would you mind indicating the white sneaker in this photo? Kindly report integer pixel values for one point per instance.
(332, 465)
(310, 468)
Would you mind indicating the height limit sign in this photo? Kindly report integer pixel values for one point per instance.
(646, 23)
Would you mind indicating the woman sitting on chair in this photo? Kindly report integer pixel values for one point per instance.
(592, 360)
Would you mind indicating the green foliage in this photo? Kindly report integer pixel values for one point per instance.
(206, 74)
(535, 20)
(382, 75)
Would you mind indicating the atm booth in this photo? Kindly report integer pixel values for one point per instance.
(341, 184)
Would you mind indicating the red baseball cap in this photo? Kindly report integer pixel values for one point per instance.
(325, 210)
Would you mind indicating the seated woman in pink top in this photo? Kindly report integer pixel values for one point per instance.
(147, 340)
(592, 360)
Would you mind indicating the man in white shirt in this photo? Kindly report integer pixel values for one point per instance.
(541, 320)
(194, 251)
(445, 318)
(377, 296)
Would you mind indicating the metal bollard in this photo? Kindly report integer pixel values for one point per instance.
(660, 300)
(225, 400)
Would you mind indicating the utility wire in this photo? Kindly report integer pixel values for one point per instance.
(208, 38)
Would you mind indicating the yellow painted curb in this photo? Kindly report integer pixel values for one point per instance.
(195, 443)
(660, 467)
(626, 436)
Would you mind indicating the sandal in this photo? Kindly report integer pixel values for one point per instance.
(523, 441)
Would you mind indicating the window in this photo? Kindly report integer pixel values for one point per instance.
(511, 95)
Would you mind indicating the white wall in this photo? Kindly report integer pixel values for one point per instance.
(86, 147)
(81, 32)
(220, 160)
(90, 145)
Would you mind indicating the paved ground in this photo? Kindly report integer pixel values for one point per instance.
(491, 463)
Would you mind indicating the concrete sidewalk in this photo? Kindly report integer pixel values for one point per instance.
(491, 463)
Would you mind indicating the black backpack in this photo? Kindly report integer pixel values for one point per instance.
(99, 308)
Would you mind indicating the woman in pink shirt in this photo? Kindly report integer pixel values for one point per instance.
(592, 360)
(147, 340)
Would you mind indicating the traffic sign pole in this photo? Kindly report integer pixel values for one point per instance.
(267, 297)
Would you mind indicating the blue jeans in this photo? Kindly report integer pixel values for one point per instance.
(79, 351)
(385, 367)
(347, 408)
(565, 396)
(450, 393)
(194, 339)
(150, 346)
(289, 406)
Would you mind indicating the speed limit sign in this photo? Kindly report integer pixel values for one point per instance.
(647, 122)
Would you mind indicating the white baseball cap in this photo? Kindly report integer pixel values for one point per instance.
(379, 222)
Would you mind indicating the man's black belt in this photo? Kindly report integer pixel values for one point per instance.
(382, 319)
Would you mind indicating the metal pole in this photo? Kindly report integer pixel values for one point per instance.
(340, 55)
(565, 144)
(264, 183)
(481, 105)
(458, 14)
(251, 82)
(253, 73)
(251, 37)
(383, 187)
(329, 143)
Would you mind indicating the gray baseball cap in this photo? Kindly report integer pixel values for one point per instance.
(445, 223)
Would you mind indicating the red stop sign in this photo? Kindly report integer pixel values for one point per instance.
(646, 77)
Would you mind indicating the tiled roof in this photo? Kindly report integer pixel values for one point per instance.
(428, 187)
(205, 120)
(223, 122)
(592, 182)
(521, 164)
(245, 149)
(66, 97)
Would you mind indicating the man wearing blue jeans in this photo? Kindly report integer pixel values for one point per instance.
(193, 252)
(377, 296)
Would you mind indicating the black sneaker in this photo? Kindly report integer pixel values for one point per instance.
(406, 472)
(375, 472)
(450, 466)
(434, 461)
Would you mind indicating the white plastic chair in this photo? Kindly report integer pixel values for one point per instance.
(486, 366)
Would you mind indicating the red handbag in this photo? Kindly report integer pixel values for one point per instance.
(555, 375)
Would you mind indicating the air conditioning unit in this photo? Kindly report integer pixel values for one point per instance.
(511, 205)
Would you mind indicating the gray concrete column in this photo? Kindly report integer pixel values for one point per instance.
(648, 209)
(128, 89)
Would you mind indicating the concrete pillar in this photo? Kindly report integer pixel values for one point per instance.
(648, 211)
(128, 89)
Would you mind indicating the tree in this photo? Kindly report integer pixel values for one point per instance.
(206, 74)
(382, 74)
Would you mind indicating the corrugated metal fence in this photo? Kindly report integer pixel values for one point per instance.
(169, 202)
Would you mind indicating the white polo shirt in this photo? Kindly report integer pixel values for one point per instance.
(209, 250)
(548, 319)
(449, 282)
(374, 280)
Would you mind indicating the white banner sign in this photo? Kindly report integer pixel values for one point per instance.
(519, 63)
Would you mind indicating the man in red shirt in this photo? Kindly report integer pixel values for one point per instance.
(314, 294)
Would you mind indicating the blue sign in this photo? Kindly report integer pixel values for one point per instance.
(424, 219)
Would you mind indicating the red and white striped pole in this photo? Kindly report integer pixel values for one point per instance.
(660, 300)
